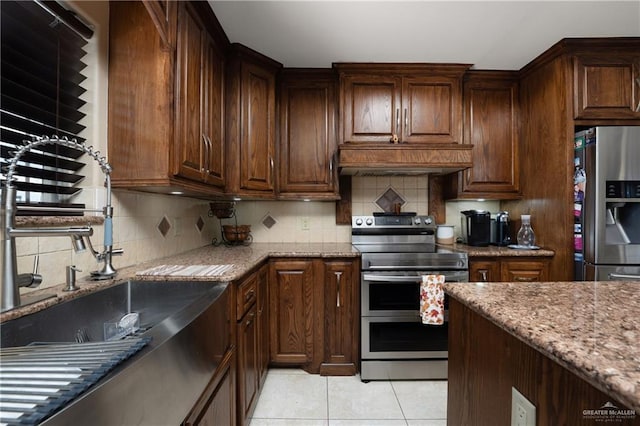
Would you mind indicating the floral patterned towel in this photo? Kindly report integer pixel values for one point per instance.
(432, 299)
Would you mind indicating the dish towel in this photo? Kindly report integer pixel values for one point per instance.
(432, 299)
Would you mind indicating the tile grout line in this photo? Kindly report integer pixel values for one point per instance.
(327, 390)
(398, 400)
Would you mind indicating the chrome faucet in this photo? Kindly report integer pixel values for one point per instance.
(11, 281)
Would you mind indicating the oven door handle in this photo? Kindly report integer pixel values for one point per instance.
(394, 278)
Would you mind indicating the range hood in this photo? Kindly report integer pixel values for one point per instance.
(358, 159)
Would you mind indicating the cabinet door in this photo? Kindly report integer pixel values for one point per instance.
(257, 128)
(162, 14)
(307, 135)
(291, 312)
(523, 271)
(341, 317)
(371, 108)
(190, 144)
(607, 87)
(431, 110)
(484, 271)
(491, 126)
(213, 112)
(263, 323)
(247, 364)
(217, 407)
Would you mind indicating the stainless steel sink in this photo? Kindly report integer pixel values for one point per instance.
(82, 319)
(188, 329)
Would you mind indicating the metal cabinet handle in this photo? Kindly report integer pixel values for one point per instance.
(406, 123)
(206, 148)
(524, 279)
(208, 157)
(271, 165)
(249, 295)
(638, 83)
(397, 120)
(483, 275)
(338, 279)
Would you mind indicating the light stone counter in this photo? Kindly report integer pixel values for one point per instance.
(495, 251)
(590, 328)
(242, 259)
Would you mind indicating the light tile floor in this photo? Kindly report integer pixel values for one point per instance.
(292, 397)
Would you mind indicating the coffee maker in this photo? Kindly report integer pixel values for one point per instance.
(500, 231)
(476, 227)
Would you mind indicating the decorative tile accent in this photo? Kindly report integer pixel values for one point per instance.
(390, 197)
(164, 226)
(268, 221)
(200, 224)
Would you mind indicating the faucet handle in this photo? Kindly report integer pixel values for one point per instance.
(117, 252)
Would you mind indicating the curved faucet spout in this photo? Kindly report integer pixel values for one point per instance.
(10, 278)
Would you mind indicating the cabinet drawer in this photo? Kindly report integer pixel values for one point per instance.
(246, 295)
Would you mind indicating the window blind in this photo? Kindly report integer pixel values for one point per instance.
(41, 95)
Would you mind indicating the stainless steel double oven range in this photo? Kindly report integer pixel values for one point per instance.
(396, 250)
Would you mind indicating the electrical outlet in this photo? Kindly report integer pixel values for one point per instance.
(304, 223)
(523, 412)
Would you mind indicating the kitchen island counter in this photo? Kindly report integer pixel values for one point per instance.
(589, 328)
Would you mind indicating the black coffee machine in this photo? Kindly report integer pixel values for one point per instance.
(500, 231)
(476, 227)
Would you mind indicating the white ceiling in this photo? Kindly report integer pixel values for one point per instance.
(491, 35)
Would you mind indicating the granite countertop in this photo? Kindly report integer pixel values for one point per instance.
(495, 251)
(590, 328)
(233, 262)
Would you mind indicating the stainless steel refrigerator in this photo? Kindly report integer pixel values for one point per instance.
(607, 203)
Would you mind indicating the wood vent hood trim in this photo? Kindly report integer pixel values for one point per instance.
(403, 160)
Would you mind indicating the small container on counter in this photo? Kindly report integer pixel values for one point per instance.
(444, 234)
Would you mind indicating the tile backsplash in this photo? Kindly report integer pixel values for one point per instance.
(137, 223)
(152, 226)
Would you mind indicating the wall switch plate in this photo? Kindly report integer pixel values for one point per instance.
(523, 412)
(304, 223)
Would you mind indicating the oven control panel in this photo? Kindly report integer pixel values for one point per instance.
(392, 221)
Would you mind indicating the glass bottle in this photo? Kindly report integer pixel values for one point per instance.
(525, 236)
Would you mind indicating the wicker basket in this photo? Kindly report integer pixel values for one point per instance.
(236, 233)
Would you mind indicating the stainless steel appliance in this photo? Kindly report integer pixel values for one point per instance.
(476, 227)
(500, 229)
(607, 203)
(396, 250)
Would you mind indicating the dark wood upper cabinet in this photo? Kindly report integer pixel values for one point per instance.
(199, 101)
(307, 137)
(491, 117)
(607, 86)
(164, 100)
(162, 12)
(417, 103)
(251, 123)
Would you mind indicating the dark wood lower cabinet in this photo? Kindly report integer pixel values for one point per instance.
(341, 282)
(217, 405)
(516, 269)
(485, 362)
(263, 323)
(314, 314)
(248, 379)
(294, 326)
